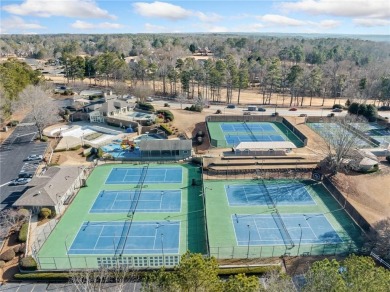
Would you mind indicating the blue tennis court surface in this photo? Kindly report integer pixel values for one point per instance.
(149, 201)
(236, 139)
(293, 193)
(153, 175)
(244, 127)
(143, 238)
(265, 230)
(234, 133)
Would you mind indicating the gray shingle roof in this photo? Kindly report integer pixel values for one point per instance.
(46, 190)
(148, 145)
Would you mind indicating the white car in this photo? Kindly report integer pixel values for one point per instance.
(20, 181)
(149, 98)
(34, 157)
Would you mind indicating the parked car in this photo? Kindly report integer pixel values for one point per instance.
(20, 181)
(34, 157)
(261, 109)
(337, 110)
(293, 109)
(303, 115)
(149, 99)
(25, 174)
(247, 113)
(231, 106)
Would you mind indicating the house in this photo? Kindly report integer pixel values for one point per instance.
(165, 149)
(111, 108)
(53, 189)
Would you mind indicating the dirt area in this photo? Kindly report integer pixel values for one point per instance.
(368, 193)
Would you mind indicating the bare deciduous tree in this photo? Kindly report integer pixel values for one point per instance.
(96, 280)
(120, 88)
(141, 92)
(42, 109)
(341, 139)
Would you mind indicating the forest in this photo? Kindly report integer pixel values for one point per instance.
(218, 67)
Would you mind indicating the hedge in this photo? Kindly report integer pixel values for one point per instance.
(28, 264)
(145, 106)
(166, 129)
(43, 276)
(248, 270)
(23, 232)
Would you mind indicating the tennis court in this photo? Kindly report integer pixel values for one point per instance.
(283, 230)
(137, 225)
(271, 218)
(149, 201)
(293, 193)
(142, 238)
(228, 134)
(328, 130)
(149, 175)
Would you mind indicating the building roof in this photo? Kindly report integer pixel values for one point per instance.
(148, 145)
(47, 190)
(265, 145)
(113, 105)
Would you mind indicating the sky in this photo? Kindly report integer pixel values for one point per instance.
(367, 17)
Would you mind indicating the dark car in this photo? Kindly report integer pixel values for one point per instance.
(231, 106)
(261, 109)
(303, 115)
(20, 181)
(337, 110)
(293, 109)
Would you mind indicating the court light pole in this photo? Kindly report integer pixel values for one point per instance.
(249, 240)
(162, 248)
(300, 239)
(67, 251)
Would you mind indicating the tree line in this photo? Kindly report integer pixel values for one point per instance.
(292, 69)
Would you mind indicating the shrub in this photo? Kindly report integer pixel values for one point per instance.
(23, 232)
(166, 114)
(13, 123)
(75, 148)
(44, 139)
(353, 108)
(7, 255)
(53, 214)
(337, 106)
(347, 103)
(145, 106)
(100, 153)
(166, 129)
(23, 213)
(218, 112)
(2, 264)
(388, 158)
(28, 264)
(166, 104)
(45, 213)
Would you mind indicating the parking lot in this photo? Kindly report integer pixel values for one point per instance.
(13, 152)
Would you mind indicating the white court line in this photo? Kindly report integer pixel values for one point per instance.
(98, 238)
(5, 184)
(257, 229)
(245, 194)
